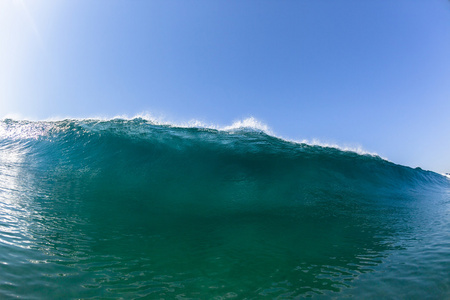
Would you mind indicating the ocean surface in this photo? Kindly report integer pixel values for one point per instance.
(129, 209)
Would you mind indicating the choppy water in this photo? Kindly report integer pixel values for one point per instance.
(129, 209)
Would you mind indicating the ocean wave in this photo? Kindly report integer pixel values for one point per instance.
(138, 208)
(244, 142)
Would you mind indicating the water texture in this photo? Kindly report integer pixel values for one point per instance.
(130, 209)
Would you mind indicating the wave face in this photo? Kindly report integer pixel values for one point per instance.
(127, 208)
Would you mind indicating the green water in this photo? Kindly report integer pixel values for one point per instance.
(128, 209)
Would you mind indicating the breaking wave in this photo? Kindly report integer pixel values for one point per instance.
(139, 208)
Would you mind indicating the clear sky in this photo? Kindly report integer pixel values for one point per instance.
(369, 73)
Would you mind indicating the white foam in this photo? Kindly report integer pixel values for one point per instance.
(28, 131)
(249, 123)
(351, 148)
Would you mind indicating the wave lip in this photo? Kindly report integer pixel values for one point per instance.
(11, 128)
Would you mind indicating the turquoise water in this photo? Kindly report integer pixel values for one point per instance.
(129, 209)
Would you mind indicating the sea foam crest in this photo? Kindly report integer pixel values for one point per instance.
(356, 149)
(249, 123)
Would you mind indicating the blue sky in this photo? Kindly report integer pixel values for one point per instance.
(374, 74)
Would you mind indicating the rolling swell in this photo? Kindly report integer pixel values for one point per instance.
(130, 208)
